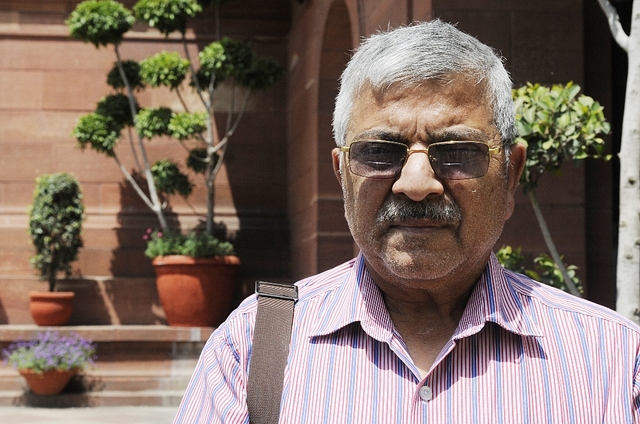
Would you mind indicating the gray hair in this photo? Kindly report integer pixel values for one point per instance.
(424, 51)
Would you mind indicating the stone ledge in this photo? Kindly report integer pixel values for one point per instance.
(113, 333)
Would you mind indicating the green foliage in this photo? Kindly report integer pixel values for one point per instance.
(557, 125)
(164, 69)
(116, 106)
(55, 225)
(100, 22)
(167, 16)
(131, 72)
(106, 22)
(229, 58)
(194, 244)
(549, 273)
(99, 132)
(226, 58)
(511, 258)
(153, 122)
(169, 179)
(185, 125)
(263, 73)
(212, 64)
(197, 160)
(546, 270)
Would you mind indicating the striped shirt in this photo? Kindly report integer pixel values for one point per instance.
(523, 352)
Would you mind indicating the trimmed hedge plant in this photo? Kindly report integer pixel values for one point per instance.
(55, 225)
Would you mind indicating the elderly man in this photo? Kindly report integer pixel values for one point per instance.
(424, 326)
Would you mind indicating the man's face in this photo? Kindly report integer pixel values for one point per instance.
(452, 243)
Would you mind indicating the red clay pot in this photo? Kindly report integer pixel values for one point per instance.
(49, 382)
(196, 292)
(51, 308)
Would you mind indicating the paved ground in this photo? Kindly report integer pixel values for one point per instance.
(93, 415)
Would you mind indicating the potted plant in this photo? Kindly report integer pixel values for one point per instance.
(55, 227)
(49, 360)
(226, 65)
(193, 272)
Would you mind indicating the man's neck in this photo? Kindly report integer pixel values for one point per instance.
(425, 326)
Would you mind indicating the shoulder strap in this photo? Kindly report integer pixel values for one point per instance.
(270, 350)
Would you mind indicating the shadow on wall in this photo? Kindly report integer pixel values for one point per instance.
(256, 169)
(134, 218)
(3, 315)
(117, 301)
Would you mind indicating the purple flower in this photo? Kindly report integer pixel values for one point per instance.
(50, 350)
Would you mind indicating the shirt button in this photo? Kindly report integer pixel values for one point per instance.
(426, 393)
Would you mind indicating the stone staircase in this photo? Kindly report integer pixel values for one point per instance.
(136, 365)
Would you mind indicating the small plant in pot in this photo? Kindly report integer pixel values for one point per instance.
(55, 227)
(49, 360)
(192, 276)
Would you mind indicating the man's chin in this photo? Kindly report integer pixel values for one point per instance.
(416, 265)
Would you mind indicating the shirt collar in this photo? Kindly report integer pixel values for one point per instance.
(494, 299)
(358, 299)
(498, 298)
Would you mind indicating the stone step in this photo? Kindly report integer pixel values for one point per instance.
(96, 382)
(136, 366)
(108, 398)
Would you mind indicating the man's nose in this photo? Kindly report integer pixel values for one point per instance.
(417, 179)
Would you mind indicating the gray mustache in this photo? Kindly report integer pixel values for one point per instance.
(395, 209)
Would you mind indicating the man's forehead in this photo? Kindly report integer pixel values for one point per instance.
(412, 83)
(462, 93)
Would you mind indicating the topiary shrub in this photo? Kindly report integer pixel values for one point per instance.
(55, 225)
(119, 117)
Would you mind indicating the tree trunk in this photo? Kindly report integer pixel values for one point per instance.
(52, 273)
(546, 234)
(628, 264)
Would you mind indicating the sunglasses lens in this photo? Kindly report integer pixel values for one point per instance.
(459, 161)
(376, 159)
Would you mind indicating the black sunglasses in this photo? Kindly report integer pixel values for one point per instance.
(450, 160)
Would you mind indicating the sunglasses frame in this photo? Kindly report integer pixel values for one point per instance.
(409, 152)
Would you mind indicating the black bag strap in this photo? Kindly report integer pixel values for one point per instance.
(270, 350)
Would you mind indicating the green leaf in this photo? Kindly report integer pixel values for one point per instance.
(166, 69)
(153, 122)
(100, 22)
(558, 124)
(185, 125)
(132, 74)
(197, 160)
(195, 244)
(169, 179)
(99, 132)
(117, 107)
(167, 16)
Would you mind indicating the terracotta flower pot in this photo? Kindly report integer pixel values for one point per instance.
(196, 292)
(49, 382)
(51, 308)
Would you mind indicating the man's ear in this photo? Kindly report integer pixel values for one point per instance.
(335, 155)
(517, 160)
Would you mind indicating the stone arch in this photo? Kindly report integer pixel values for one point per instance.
(334, 242)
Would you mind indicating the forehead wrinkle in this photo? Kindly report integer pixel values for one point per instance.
(458, 134)
(378, 134)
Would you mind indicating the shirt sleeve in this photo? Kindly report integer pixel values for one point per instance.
(636, 391)
(217, 390)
